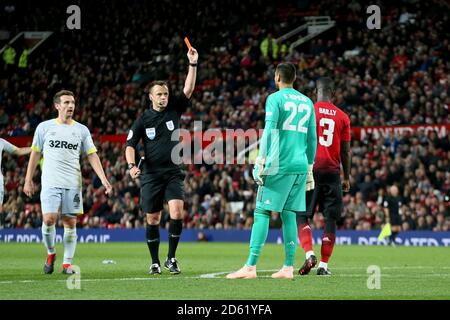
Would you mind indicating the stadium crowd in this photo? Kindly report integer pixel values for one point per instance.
(396, 75)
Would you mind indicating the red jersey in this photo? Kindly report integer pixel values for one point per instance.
(333, 126)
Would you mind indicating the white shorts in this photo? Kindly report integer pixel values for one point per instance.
(69, 201)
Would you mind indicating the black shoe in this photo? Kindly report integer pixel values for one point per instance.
(323, 272)
(172, 265)
(308, 265)
(155, 268)
(49, 264)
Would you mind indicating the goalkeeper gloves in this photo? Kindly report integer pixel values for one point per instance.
(310, 178)
(258, 170)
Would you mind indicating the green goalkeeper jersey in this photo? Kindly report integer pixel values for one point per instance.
(289, 140)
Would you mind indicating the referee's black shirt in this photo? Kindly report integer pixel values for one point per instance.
(393, 204)
(155, 130)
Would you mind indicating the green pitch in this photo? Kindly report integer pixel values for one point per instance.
(406, 273)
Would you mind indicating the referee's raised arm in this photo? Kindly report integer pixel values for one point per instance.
(189, 84)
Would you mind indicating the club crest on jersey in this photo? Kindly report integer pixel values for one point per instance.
(151, 133)
(170, 125)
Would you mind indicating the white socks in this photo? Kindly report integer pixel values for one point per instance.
(48, 237)
(70, 243)
(323, 265)
(309, 254)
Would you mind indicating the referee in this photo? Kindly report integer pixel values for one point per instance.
(392, 205)
(161, 179)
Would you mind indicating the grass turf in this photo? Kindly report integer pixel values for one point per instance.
(406, 273)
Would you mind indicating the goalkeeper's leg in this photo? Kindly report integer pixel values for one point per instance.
(258, 238)
(290, 244)
(272, 196)
(260, 230)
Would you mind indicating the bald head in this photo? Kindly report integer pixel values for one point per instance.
(394, 191)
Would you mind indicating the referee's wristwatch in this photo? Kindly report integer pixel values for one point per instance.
(131, 165)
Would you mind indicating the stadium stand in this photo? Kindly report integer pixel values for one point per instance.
(398, 75)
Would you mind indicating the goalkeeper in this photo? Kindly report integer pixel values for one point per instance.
(283, 169)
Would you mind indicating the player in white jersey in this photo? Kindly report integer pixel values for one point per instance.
(10, 148)
(62, 141)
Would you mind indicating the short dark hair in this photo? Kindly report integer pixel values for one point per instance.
(59, 94)
(287, 72)
(325, 83)
(157, 83)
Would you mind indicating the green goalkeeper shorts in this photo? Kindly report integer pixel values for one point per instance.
(282, 192)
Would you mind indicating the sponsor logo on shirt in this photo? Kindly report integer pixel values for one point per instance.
(60, 144)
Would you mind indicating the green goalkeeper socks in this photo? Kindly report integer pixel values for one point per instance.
(290, 236)
(260, 230)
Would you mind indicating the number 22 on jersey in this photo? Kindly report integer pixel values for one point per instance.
(294, 109)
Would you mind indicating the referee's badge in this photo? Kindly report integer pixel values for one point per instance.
(170, 125)
(130, 135)
(150, 132)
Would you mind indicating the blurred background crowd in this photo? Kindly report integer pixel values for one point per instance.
(398, 75)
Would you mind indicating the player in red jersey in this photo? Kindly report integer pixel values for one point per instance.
(333, 136)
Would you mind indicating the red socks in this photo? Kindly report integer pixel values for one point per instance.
(327, 246)
(305, 232)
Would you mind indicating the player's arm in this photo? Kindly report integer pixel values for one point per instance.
(264, 147)
(267, 138)
(22, 151)
(311, 138)
(346, 163)
(94, 160)
(36, 149)
(311, 148)
(133, 138)
(386, 211)
(10, 148)
(130, 156)
(90, 150)
(346, 154)
(191, 77)
(29, 188)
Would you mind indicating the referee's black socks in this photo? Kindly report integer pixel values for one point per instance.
(153, 242)
(175, 227)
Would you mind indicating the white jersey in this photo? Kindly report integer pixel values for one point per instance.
(8, 147)
(61, 146)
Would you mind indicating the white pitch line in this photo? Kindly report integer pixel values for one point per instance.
(216, 275)
(213, 275)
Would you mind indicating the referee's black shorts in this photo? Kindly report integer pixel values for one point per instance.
(395, 219)
(157, 187)
(327, 194)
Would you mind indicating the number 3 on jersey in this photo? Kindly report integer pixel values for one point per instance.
(293, 108)
(327, 138)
